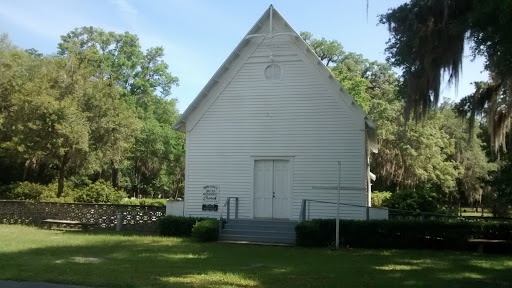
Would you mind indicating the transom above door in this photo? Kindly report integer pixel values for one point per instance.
(272, 189)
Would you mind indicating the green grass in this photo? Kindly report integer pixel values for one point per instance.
(123, 260)
(470, 211)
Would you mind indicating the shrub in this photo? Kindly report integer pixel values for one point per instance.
(206, 230)
(5, 191)
(399, 233)
(153, 202)
(25, 191)
(145, 201)
(176, 225)
(35, 192)
(128, 201)
(100, 192)
(424, 197)
(379, 198)
(50, 194)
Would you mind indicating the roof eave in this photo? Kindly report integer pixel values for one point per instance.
(371, 132)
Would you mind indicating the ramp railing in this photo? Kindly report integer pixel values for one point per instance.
(227, 205)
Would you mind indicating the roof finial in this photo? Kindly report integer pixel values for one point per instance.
(271, 10)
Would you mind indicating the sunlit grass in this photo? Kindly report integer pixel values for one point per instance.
(212, 278)
(128, 260)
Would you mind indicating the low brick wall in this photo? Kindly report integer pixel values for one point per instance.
(135, 217)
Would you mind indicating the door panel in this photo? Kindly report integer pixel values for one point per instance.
(263, 182)
(271, 189)
(280, 203)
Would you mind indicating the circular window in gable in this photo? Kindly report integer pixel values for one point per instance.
(273, 72)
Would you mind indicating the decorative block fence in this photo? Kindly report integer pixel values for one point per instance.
(135, 217)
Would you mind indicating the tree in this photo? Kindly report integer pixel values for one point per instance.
(80, 114)
(329, 51)
(434, 152)
(46, 123)
(350, 70)
(119, 59)
(428, 40)
(113, 124)
(145, 83)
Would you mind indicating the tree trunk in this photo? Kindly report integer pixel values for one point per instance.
(115, 174)
(25, 170)
(62, 173)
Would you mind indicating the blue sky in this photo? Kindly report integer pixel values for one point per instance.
(199, 35)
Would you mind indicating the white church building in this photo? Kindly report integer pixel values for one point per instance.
(269, 128)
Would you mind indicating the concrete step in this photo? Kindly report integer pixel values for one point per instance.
(256, 243)
(259, 231)
(257, 239)
(259, 227)
(279, 234)
(274, 223)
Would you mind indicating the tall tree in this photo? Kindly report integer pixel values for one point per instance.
(433, 151)
(144, 82)
(428, 39)
(47, 124)
(113, 124)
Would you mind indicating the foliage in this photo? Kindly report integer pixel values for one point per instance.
(424, 198)
(23, 191)
(428, 40)
(499, 195)
(35, 192)
(98, 110)
(176, 225)
(130, 201)
(145, 202)
(434, 151)
(400, 234)
(379, 198)
(327, 50)
(206, 230)
(153, 202)
(100, 192)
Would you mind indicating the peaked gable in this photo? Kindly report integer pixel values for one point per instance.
(270, 24)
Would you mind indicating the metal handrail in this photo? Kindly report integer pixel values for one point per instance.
(423, 215)
(227, 203)
(303, 208)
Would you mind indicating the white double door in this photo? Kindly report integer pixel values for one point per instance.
(272, 189)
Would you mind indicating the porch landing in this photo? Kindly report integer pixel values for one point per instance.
(259, 231)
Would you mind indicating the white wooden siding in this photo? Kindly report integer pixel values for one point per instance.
(300, 117)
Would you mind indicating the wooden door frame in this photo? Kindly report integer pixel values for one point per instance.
(290, 160)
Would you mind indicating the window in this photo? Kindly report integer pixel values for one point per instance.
(273, 72)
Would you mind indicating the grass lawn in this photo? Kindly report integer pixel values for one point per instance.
(470, 211)
(122, 260)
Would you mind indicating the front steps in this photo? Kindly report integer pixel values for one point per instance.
(259, 231)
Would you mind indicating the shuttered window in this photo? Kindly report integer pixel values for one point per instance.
(273, 72)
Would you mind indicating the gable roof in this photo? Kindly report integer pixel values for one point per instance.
(270, 15)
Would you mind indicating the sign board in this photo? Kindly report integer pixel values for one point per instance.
(211, 196)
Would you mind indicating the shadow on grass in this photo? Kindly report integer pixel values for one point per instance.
(112, 260)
